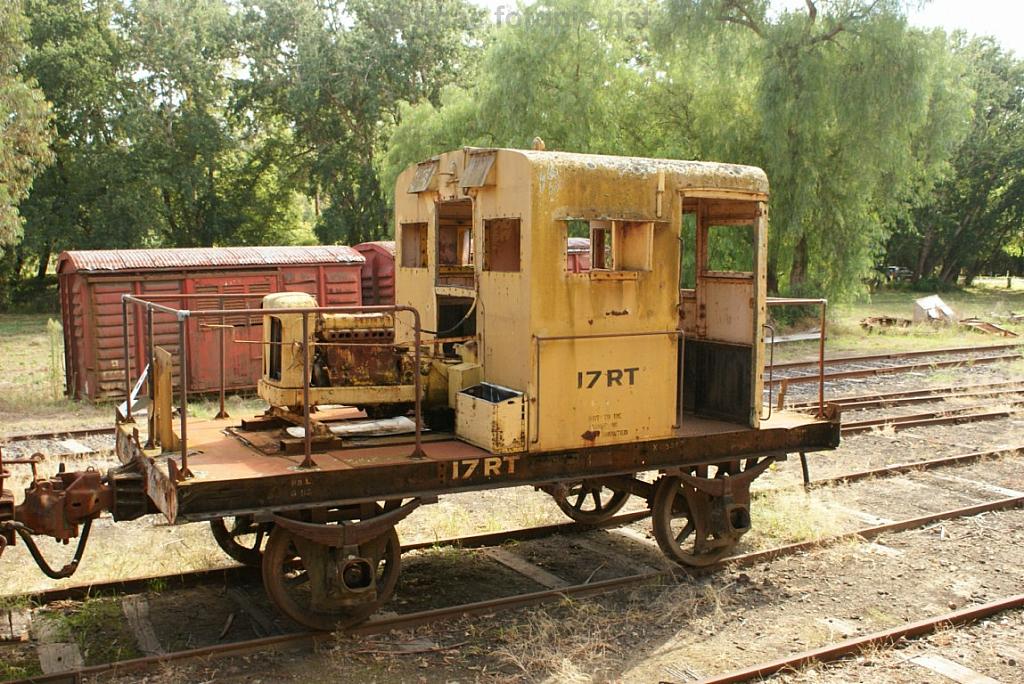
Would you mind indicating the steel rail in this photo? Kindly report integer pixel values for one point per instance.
(59, 434)
(383, 625)
(877, 396)
(889, 370)
(922, 419)
(865, 404)
(855, 645)
(913, 466)
(898, 355)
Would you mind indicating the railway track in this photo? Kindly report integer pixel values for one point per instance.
(897, 356)
(884, 638)
(382, 625)
(236, 573)
(308, 640)
(941, 417)
(917, 396)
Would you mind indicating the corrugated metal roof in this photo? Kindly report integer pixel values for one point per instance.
(387, 245)
(578, 245)
(204, 257)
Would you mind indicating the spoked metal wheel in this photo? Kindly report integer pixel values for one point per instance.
(589, 502)
(323, 587)
(695, 527)
(241, 538)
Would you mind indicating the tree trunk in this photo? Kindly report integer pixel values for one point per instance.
(44, 261)
(798, 274)
(922, 257)
(773, 274)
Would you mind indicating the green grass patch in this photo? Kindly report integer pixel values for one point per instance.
(19, 665)
(846, 336)
(98, 627)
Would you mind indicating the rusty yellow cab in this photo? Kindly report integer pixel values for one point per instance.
(504, 366)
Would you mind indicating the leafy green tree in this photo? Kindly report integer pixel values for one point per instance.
(336, 72)
(93, 195)
(24, 123)
(564, 70)
(978, 210)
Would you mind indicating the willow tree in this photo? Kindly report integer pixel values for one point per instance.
(854, 115)
(567, 71)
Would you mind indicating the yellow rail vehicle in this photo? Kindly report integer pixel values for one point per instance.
(497, 366)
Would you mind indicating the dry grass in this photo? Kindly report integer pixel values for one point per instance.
(585, 641)
(460, 515)
(789, 514)
(117, 551)
(32, 379)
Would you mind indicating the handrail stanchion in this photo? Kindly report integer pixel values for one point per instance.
(183, 472)
(418, 451)
(150, 353)
(127, 361)
(821, 363)
(796, 301)
(771, 369)
(307, 438)
(223, 360)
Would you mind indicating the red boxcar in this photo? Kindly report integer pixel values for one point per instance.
(578, 255)
(378, 271)
(91, 284)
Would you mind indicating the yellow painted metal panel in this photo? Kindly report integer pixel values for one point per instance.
(605, 390)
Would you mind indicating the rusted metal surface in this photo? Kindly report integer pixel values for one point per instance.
(6, 507)
(888, 370)
(856, 645)
(981, 349)
(447, 470)
(91, 285)
(921, 419)
(378, 271)
(199, 257)
(55, 507)
(184, 316)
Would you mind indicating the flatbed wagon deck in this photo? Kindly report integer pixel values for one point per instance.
(232, 475)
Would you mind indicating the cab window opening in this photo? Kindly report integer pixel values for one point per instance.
(502, 245)
(413, 239)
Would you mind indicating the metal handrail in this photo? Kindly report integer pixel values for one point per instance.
(799, 301)
(183, 315)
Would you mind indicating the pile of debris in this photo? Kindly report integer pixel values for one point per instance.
(933, 310)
